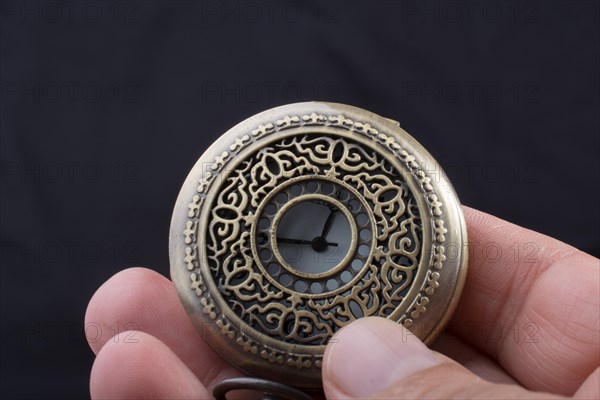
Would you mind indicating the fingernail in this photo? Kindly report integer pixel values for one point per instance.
(371, 354)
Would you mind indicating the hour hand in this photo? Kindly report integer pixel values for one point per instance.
(293, 241)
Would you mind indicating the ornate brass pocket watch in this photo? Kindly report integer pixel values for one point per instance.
(303, 218)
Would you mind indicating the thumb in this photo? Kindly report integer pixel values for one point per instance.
(379, 358)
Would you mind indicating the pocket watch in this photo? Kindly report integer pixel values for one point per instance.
(303, 218)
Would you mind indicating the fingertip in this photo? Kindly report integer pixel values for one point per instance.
(143, 300)
(137, 365)
(113, 293)
(379, 359)
(368, 355)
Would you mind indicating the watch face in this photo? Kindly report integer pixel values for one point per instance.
(304, 218)
(313, 235)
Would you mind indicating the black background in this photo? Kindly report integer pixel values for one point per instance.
(106, 106)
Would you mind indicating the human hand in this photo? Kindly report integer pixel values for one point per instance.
(523, 325)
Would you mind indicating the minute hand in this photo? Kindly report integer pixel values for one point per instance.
(328, 222)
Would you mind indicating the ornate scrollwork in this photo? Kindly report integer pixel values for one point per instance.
(379, 194)
(229, 243)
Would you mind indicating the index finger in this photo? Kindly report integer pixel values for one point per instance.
(143, 300)
(530, 302)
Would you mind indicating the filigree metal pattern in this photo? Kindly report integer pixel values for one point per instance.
(400, 236)
(229, 241)
(249, 276)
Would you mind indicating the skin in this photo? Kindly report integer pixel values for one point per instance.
(527, 326)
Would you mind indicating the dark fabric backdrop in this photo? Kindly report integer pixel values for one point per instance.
(107, 105)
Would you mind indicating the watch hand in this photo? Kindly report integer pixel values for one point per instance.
(292, 241)
(321, 203)
(328, 222)
(300, 241)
